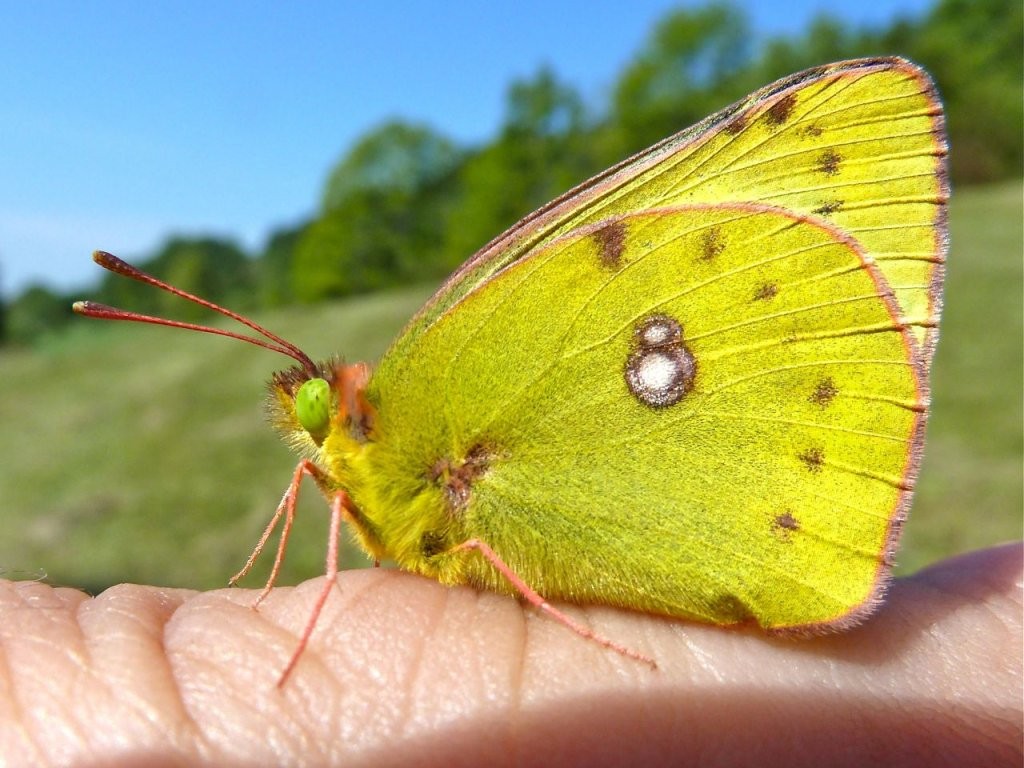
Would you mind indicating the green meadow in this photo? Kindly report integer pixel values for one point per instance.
(140, 454)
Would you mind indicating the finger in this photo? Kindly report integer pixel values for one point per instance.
(401, 667)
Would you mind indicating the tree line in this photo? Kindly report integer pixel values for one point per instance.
(407, 204)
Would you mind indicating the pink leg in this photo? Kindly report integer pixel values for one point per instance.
(339, 508)
(286, 507)
(539, 602)
(263, 539)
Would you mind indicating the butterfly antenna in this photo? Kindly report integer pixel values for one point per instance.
(112, 263)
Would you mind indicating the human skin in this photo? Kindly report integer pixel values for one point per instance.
(404, 671)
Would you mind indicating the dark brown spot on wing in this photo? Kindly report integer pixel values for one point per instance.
(712, 243)
(813, 458)
(824, 393)
(737, 124)
(611, 242)
(829, 207)
(787, 522)
(829, 161)
(784, 525)
(812, 130)
(766, 291)
(456, 476)
(779, 112)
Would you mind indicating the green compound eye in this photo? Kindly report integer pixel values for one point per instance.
(313, 408)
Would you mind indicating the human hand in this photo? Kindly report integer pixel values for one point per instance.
(404, 671)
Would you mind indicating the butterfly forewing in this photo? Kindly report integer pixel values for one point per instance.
(859, 144)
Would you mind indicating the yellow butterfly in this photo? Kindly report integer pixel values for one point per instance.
(694, 385)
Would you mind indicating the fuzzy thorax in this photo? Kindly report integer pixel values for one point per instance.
(339, 445)
(399, 515)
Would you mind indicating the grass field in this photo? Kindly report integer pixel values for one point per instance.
(139, 454)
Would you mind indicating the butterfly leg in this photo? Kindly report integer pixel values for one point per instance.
(286, 508)
(539, 602)
(341, 507)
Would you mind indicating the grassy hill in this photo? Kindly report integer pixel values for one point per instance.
(139, 454)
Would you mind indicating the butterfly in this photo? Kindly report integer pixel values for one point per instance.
(694, 385)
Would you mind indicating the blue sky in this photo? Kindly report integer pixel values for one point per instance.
(124, 122)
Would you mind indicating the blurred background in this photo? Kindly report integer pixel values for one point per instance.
(322, 169)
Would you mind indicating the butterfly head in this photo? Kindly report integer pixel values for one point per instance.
(329, 403)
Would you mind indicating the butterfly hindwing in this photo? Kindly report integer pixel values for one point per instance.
(711, 411)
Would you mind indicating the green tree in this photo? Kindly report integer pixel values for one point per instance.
(691, 65)
(543, 150)
(274, 267)
(398, 157)
(383, 215)
(34, 312)
(827, 39)
(975, 51)
(4, 330)
(351, 248)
